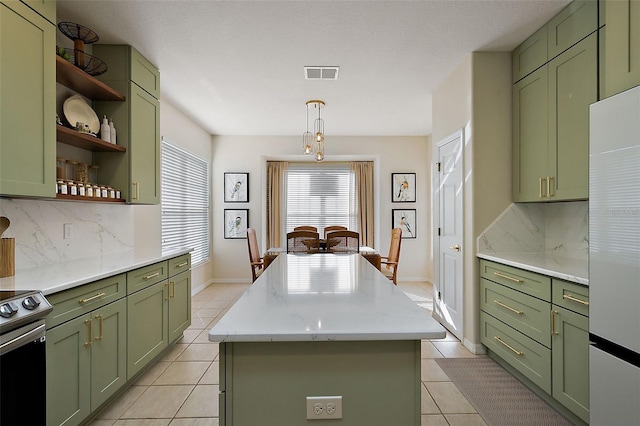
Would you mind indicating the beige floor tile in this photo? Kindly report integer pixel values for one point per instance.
(448, 338)
(150, 376)
(189, 335)
(199, 352)
(197, 305)
(199, 323)
(209, 421)
(203, 402)
(203, 337)
(209, 312)
(215, 304)
(449, 398)
(465, 420)
(101, 423)
(174, 352)
(183, 373)
(114, 410)
(430, 371)
(143, 422)
(427, 350)
(158, 402)
(453, 350)
(212, 376)
(427, 404)
(433, 420)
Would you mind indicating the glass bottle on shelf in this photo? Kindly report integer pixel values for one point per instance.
(93, 174)
(61, 168)
(71, 169)
(82, 172)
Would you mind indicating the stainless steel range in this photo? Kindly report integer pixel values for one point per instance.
(22, 357)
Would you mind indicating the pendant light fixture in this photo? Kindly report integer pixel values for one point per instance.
(314, 142)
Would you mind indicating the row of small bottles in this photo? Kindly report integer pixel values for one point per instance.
(80, 179)
(107, 131)
(69, 187)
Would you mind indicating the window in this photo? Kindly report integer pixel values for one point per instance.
(320, 195)
(185, 202)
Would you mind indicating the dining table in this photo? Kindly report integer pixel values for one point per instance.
(367, 252)
(318, 326)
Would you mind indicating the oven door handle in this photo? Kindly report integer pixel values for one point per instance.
(24, 335)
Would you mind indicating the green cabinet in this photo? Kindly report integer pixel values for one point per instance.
(530, 55)
(179, 304)
(572, 24)
(622, 46)
(27, 102)
(138, 122)
(46, 8)
(86, 363)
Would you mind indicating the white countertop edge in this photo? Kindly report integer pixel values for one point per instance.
(336, 337)
(532, 263)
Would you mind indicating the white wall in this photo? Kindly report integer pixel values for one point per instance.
(391, 154)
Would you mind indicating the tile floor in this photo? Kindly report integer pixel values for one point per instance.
(179, 388)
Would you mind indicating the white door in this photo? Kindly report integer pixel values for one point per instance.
(448, 249)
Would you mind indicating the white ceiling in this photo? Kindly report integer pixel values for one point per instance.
(236, 67)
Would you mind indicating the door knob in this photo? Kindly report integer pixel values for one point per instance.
(456, 247)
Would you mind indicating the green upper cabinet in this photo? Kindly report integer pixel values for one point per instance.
(138, 120)
(572, 24)
(622, 46)
(530, 55)
(27, 102)
(46, 8)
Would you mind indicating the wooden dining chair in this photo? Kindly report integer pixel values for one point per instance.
(343, 242)
(390, 263)
(256, 262)
(332, 228)
(303, 242)
(306, 228)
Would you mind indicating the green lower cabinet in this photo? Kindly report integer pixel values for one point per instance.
(179, 304)
(86, 363)
(570, 361)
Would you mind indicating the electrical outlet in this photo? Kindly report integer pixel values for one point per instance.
(68, 231)
(324, 407)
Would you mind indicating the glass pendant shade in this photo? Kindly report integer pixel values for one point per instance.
(314, 142)
(318, 150)
(307, 141)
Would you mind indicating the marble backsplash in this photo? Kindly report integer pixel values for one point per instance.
(545, 228)
(38, 227)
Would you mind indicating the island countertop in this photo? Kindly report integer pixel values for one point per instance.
(324, 297)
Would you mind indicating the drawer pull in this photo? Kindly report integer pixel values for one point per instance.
(509, 346)
(99, 317)
(180, 265)
(508, 277)
(540, 187)
(151, 276)
(97, 296)
(573, 299)
(90, 338)
(515, 311)
(550, 193)
(553, 323)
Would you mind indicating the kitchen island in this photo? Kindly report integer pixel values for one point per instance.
(322, 325)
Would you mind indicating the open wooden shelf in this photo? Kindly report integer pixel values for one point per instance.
(81, 140)
(89, 199)
(83, 83)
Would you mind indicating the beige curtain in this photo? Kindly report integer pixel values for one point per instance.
(363, 171)
(275, 190)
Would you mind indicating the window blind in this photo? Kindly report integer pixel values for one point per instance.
(185, 202)
(320, 194)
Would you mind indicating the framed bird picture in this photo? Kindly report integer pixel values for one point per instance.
(236, 222)
(404, 219)
(236, 187)
(403, 187)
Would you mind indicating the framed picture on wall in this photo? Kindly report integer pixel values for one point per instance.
(403, 187)
(236, 187)
(236, 222)
(404, 219)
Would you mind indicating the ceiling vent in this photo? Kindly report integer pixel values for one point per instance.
(321, 73)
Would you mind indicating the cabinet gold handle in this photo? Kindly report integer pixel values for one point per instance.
(499, 303)
(97, 296)
(540, 187)
(166, 285)
(172, 289)
(136, 191)
(508, 346)
(508, 277)
(553, 323)
(550, 193)
(90, 338)
(151, 276)
(99, 317)
(180, 265)
(573, 299)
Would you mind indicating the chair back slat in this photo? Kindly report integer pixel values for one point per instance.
(254, 254)
(306, 228)
(343, 242)
(303, 242)
(332, 228)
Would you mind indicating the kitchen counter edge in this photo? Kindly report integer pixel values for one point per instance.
(564, 268)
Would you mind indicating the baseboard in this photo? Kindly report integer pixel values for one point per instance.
(198, 289)
(413, 280)
(231, 281)
(475, 348)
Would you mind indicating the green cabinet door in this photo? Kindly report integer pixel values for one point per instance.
(572, 24)
(108, 351)
(622, 46)
(46, 8)
(147, 326)
(573, 86)
(144, 148)
(530, 136)
(531, 54)
(68, 367)
(179, 304)
(570, 361)
(27, 102)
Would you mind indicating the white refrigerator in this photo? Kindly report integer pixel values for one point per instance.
(614, 260)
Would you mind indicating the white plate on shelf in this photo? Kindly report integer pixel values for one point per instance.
(76, 109)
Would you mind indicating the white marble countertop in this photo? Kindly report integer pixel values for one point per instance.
(324, 297)
(569, 269)
(56, 277)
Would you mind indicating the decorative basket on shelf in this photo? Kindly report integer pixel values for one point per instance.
(82, 35)
(90, 64)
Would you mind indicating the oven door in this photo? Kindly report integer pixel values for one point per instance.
(22, 375)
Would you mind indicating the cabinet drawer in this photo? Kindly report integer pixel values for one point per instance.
(77, 301)
(572, 296)
(525, 355)
(572, 24)
(179, 264)
(528, 315)
(533, 284)
(530, 55)
(144, 277)
(144, 74)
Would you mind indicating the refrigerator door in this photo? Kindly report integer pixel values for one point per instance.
(614, 220)
(614, 390)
